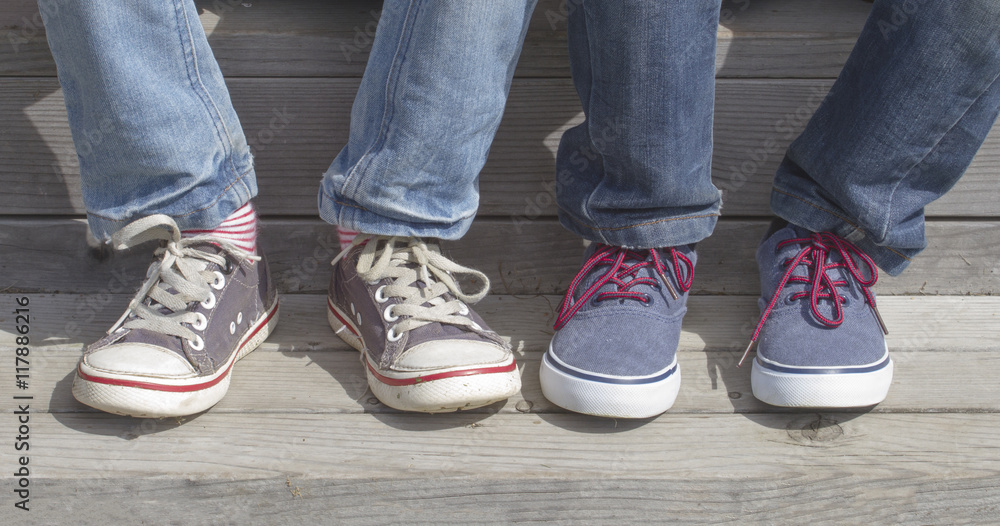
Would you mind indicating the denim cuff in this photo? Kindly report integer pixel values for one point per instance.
(350, 215)
(234, 192)
(654, 233)
(821, 217)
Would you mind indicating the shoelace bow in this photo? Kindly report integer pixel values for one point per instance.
(625, 265)
(182, 267)
(412, 260)
(815, 255)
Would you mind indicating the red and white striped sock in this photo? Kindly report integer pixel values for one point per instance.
(240, 229)
(346, 236)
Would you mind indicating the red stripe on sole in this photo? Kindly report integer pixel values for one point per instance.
(175, 388)
(420, 379)
(438, 376)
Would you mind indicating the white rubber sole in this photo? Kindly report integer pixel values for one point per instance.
(145, 397)
(786, 389)
(610, 397)
(440, 391)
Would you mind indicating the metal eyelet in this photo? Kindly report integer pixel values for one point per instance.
(232, 328)
(239, 318)
(378, 295)
(649, 300)
(463, 309)
(220, 280)
(201, 323)
(789, 300)
(476, 326)
(229, 268)
(198, 343)
(392, 336)
(387, 314)
(210, 302)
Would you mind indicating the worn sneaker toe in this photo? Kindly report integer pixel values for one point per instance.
(447, 354)
(137, 359)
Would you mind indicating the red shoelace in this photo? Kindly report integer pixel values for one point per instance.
(625, 265)
(815, 255)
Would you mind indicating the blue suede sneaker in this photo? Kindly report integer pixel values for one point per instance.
(615, 350)
(823, 343)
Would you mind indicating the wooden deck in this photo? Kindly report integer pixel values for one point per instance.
(299, 438)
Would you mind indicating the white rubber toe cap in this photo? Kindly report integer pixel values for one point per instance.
(450, 353)
(139, 359)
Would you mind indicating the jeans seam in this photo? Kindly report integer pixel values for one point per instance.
(206, 98)
(342, 203)
(838, 216)
(365, 159)
(636, 225)
(587, 111)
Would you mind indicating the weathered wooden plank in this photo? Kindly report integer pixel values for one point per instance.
(822, 497)
(928, 334)
(958, 324)
(755, 121)
(333, 382)
(302, 38)
(51, 255)
(796, 446)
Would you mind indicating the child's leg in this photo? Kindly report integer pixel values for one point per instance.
(900, 126)
(425, 115)
(150, 114)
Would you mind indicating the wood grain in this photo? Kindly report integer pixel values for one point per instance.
(51, 255)
(814, 496)
(755, 121)
(313, 38)
(928, 334)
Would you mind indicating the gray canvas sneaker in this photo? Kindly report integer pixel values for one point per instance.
(205, 304)
(396, 300)
(615, 350)
(823, 343)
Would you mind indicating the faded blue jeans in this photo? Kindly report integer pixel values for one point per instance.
(153, 125)
(912, 106)
(899, 128)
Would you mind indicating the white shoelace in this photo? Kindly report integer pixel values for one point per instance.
(183, 269)
(386, 257)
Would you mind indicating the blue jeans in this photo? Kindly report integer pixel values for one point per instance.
(914, 103)
(898, 129)
(153, 125)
